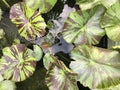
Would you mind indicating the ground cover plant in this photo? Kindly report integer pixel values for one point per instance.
(56, 45)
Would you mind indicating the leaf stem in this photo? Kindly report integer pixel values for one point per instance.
(6, 3)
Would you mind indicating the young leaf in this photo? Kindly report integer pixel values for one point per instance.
(16, 64)
(111, 23)
(97, 68)
(29, 22)
(37, 52)
(84, 28)
(59, 77)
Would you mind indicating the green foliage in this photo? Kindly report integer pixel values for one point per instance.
(7, 85)
(39, 24)
(16, 64)
(29, 22)
(43, 5)
(37, 52)
(59, 77)
(88, 4)
(111, 23)
(95, 71)
(84, 28)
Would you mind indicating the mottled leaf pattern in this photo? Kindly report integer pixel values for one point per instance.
(43, 5)
(29, 22)
(84, 28)
(111, 23)
(88, 4)
(59, 77)
(16, 64)
(97, 68)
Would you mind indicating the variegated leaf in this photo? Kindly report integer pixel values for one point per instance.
(97, 68)
(43, 5)
(111, 23)
(29, 22)
(84, 28)
(59, 77)
(16, 64)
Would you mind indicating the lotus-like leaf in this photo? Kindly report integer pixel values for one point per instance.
(59, 77)
(88, 4)
(97, 68)
(111, 23)
(29, 22)
(7, 85)
(43, 5)
(84, 28)
(16, 63)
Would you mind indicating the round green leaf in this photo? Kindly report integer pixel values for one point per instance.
(37, 52)
(29, 22)
(111, 23)
(16, 63)
(59, 77)
(7, 85)
(84, 28)
(97, 68)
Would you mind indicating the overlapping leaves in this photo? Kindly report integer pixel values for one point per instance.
(16, 63)
(29, 22)
(97, 68)
(111, 22)
(84, 28)
(59, 77)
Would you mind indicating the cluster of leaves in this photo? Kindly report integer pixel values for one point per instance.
(93, 67)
